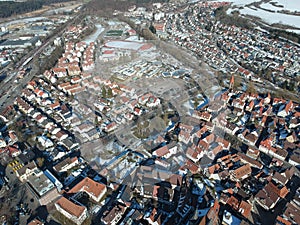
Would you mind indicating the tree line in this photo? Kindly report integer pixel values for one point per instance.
(106, 8)
(11, 8)
(232, 19)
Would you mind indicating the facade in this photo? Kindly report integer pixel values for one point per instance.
(72, 211)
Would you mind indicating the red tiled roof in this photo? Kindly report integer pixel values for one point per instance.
(70, 207)
(245, 209)
(89, 186)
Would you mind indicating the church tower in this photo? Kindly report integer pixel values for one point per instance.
(231, 84)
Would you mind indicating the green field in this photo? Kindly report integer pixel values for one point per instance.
(114, 33)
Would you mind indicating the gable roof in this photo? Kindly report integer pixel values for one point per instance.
(70, 207)
(162, 151)
(89, 186)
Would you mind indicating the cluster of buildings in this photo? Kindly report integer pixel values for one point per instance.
(74, 32)
(257, 51)
(291, 215)
(236, 154)
(19, 35)
(269, 124)
(230, 49)
(147, 69)
(5, 57)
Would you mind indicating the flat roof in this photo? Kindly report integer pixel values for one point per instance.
(40, 183)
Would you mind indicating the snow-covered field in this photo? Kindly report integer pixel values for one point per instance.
(292, 5)
(239, 3)
(269, 6)
(271, 18)
(278, 6)
(124, 45)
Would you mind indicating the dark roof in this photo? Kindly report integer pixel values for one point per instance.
(27, 156)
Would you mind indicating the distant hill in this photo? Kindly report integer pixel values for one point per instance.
(106, 8)
(10, 8)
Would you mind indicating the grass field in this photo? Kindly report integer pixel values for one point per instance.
(114, 33)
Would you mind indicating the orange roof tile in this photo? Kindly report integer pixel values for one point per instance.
(89, 186)
(70, 207)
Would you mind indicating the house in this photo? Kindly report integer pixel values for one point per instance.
(110, 127)
(292, 212)
(249, 138)
(175, 180)
(231, 128)
(84, 127)
(66, 164)
(295, 158)
(2, 143)
(286, 110)
(60, 136)
(229, 219)
(242, 207)
(42, 188)
(69, 144)
(294, 122)
(279, 154)
(253, 153)
(28, 94)
(144, 98)
(74, 212)
(8, 113)
(94, 189)
(270, 195)
(14, 150)
(248, 160)
(54, 106)
(74, 70)
(113, 216)
(153, 102)
(23, 106)
(55, 154)
(206, 116)
(241, 173)
(212, 216)
(24, 172)
(190, 166)
(184, 136)
(152, 219)
(60, 72)
(162, 152)
(194, 154)
(86, 66)
(45, 141)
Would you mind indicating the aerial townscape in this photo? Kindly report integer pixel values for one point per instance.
(152, 112)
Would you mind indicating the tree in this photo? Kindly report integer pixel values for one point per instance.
(291, 86)
(251, 88)
(104, 92)
(237, 82)
(285, 84)
(109, 93)
(40, 161)
(152, 29)
(268, 75)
